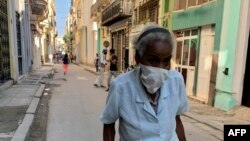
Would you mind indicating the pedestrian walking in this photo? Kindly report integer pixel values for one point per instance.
(148, 100)
(113, 70)
(101, 66)
(51, 58)
(57, 58)
(65, 64)
(96, 61)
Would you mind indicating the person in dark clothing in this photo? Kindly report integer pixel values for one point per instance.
(65, 64)
(113, 70)
(96, 62)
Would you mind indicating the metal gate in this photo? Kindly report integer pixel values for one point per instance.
(19, 46)
(4, 43)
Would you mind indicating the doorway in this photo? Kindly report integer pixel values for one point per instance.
(186, 56)
(246, 88)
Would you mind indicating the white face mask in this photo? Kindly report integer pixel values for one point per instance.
(153, 77)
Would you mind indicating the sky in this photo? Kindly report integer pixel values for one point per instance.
(62, 10)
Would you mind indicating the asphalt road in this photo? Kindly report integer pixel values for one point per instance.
(75, 107)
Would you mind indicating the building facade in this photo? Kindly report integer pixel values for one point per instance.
(211, 48)
(43, 31)
(196, 26)
(116, 22)
(82, 30)
(100, 33)
(23, 37)
(15, 48)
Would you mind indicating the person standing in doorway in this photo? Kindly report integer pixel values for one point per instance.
(101, 66)
(65, 64)
(113, 71)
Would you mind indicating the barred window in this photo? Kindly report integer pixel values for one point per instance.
(183, 4)
(148, 11)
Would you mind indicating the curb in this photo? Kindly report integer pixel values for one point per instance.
(33, 106)
(22, 131)
(40, 90)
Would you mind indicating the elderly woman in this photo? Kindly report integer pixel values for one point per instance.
(148, 100)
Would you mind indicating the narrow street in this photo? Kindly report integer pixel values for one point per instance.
(206, 41)
(76, 104)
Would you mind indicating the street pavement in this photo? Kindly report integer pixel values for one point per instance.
(75, 106)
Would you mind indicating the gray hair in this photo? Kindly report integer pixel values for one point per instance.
(142, 41)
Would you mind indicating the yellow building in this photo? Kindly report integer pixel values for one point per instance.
(82, 32)
(43, 29)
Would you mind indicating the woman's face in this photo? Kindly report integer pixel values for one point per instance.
(158, 54)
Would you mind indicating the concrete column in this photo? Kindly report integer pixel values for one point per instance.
(13, 40)
(241, 53)
(224, 84)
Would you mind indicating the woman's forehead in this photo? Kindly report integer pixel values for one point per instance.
(158, 47)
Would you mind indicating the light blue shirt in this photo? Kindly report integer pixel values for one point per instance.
(128, 102)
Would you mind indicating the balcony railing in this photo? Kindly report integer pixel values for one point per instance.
(40, 8)
(118, 10)
(98, 7)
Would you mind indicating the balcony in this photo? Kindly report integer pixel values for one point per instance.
(98, 7)
(39, 8)
(118, 10)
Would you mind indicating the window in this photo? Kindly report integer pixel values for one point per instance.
(183, 4)
(180, 4)
(187, 33)
(179, 34)
(166, 7)
(185, 52)
(192, 57)
(78, 13)
(185, 55)
(191, 3)
(148, 11)
(135, 16)
(202, 1)
(178, 52)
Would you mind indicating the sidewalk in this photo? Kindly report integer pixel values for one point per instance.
(18, 105)
(209, 115)
(217, 118)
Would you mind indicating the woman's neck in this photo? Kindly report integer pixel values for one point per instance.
(152, 96)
